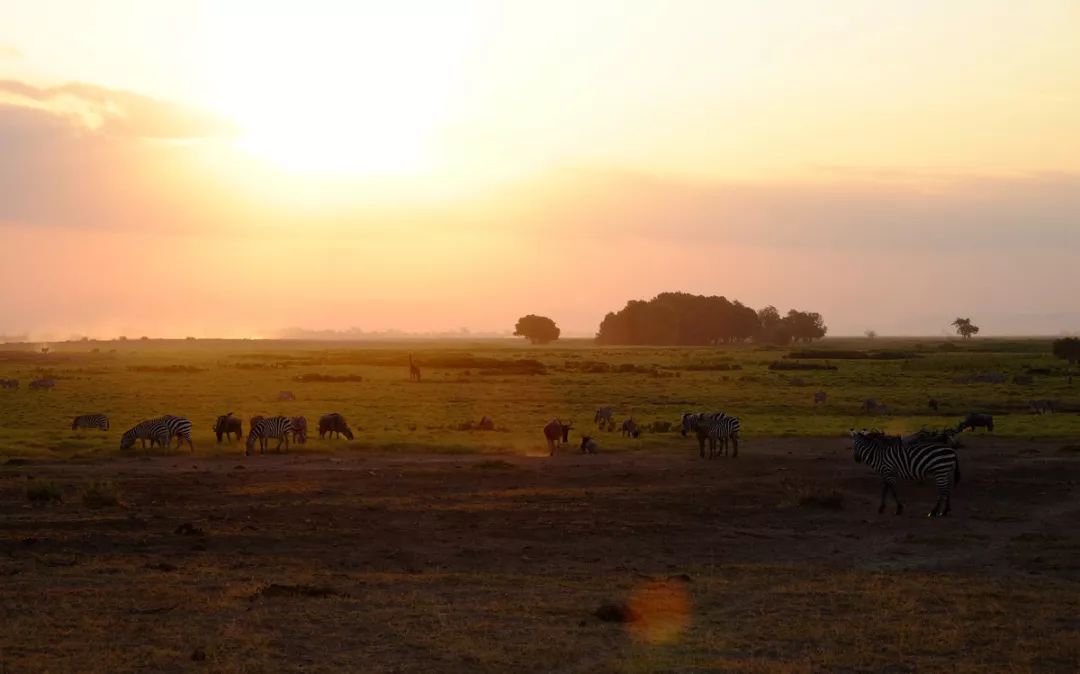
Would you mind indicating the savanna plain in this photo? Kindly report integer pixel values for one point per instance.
(426, 545)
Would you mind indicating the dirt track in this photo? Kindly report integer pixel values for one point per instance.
(466, 563)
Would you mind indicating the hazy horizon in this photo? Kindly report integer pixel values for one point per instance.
(234, 168)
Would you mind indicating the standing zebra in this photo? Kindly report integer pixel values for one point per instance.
(153, 430)
(694, 422)
(91, 421)
(716, 429)
(604, 417)
(277, 428)
(918, 460)
(179, 428)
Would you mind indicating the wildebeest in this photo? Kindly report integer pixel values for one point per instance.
(556, 433)
(9, 383)
(932, 404)
(630, 427)
(286, 395)
(45, 383)
(226, 425)
(334, 423)
(604, 417)
(821, 397)
(486, 424)
(588, 445)
(1042, 406)
(872, 406)
(976, 420)
(299, 429)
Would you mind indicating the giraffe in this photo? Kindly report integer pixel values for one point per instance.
(414, 370)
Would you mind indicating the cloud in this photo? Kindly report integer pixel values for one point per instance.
(120, 113)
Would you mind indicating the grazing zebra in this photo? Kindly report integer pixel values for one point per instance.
(46, 383)
(977, 420)
(153, 430)
(630, 427)
(9, 383)
(286, 395)
(299, 429)
(226, 425)
(588, 445)
(1042, 406)
(556, 433)
(99, 421)
(820, 398)
(179, 428)
(334, 423)
(414, 370)
(277, 428)
(890, 458)
(604, 417)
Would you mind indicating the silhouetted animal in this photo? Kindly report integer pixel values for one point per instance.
(946, 436)
(1042, 406)
(556, 433)
(47, 383)
(892, 460)
(932, 404)
(604, 417)
(286, 395)
(299, 429)
(716, 429)
(821, 397)
(629, 427)
(277, 428)
(227, 425)
(9, 383)
(414, 370)
(334, 423)
(588, 445)
(872, 406)
(976, 420)
(486, 424)
(99, 421)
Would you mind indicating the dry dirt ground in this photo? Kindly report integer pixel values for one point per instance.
(776, 561)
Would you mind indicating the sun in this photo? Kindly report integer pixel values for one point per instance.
(339, 88)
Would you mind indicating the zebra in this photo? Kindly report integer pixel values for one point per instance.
(556, 433)
(153, 430)
(977, 420)
(278, 428)
(588, 445)
(46, 383)
(334, 423)
(179, 428)
(695, 422)
(630, 427)
(890, 458)
(226, 425)
(604, 417)
(9, 383)
(99, 421)
(716, 429)
(299, 429)
(820, 398)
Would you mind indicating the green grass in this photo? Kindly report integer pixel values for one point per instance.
(519, 386)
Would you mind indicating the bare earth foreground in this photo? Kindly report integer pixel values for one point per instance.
(775, 561)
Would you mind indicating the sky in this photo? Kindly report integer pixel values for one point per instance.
(233, 168)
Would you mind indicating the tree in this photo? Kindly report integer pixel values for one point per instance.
(965, 328)
(870, 334)
(805, 326)
(537, 329)
(1067, 348)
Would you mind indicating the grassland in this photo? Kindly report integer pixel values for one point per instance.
(419, 547)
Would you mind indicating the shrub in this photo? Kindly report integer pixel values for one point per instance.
(40, 492)
(100, 495)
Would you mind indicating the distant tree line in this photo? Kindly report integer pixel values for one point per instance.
(688, 320)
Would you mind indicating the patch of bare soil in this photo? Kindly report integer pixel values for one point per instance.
(772, 562)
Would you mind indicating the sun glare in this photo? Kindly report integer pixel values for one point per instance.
(340, 91)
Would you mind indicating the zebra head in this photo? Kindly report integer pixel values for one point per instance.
(127, 439)
(689, 423)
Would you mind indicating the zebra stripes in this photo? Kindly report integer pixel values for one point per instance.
(278, 428)
(153, 430)
(99, 421)
(716, 429)
(919, 460)
(179, 428)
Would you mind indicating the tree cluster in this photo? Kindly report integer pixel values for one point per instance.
(537, 329)
(688, 320)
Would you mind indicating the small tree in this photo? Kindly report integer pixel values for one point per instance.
(965, 328)
(870, 334)
(1068, 348)
(537, 329)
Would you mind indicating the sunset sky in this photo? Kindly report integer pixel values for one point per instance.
(228, 168)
